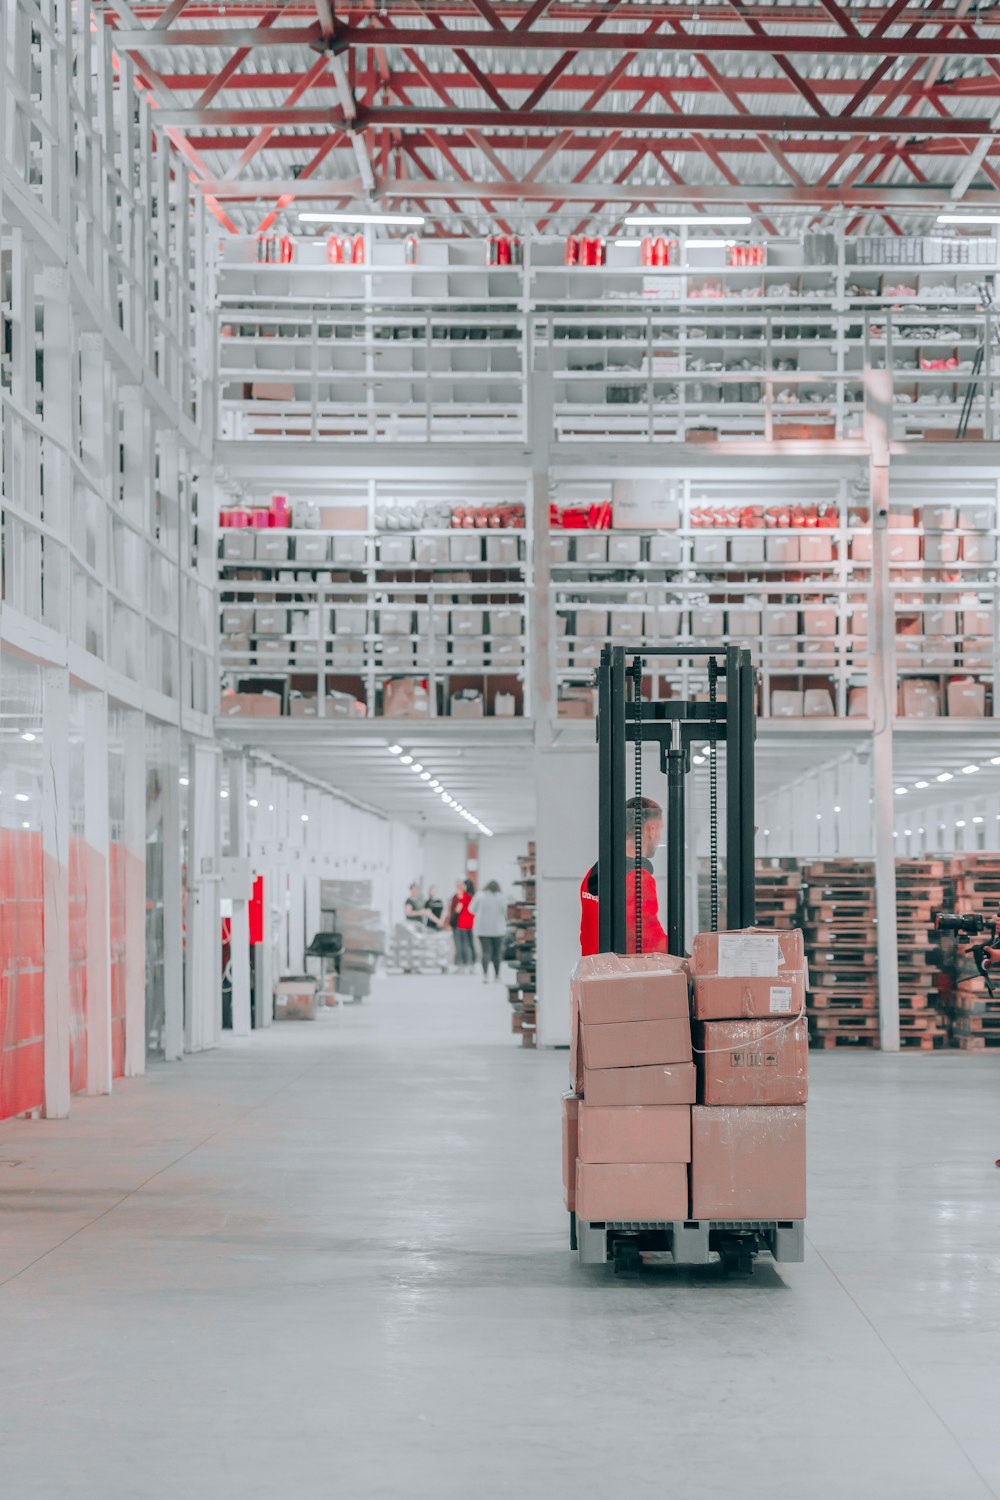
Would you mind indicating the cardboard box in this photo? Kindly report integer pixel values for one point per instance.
(272, 390)
(350, 619)
(787, 703)
(559, 549)
(395, 551)
(466, 708)
(614, 987)
(751, 950)
(505, 621)
(592, 623)
(781, 549)
(662, 1083)
(645, 503)
(634, 1133)
(664, 623)
(966, 700)
(939, 651)
(746, 549)
(861, 546)
(919, 699)
(295, 999)
(272, 653)
(237, 619)
(937, 517)
(647, 1192)
(977, 621)
(576, 703)
(239, 646)
(238, 544)
(250, 706)
(817, 704)
(979, 549)
(819, 619)
(270, 620)
(405, 698)
(397, 653)
(742, 620)
(502, 550)
(903, 549)
(271, 546)
(626, 625)
(781, 619)
(976, 517)
(343, 518)
(465, 547)
(707, 620)
(311, 549)
(625, 550)
(349, 551)
(814, 547)
(753, 1062)
(465, 621)
(430, 551)
(977, 651)
(941, 549)
(590, 548)
(570, 1126)
(666, 551)
(633, 1044)
(344, 706)
(731, 997)
(748, 1161)
(940, 621)
(395, 619)
(857, 703)
(303, 706)
(709, 551)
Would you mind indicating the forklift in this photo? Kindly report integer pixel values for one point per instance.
(724, 723)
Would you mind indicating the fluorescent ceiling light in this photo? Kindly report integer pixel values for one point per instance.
(901, 791)
(223, 793)
(959, 822)
(349, 217)
(700, 220)
(27, 735)
(920, 785)
(416, 767)
(963, 219)
(995, 760)
(977, 820)
(305, 817)
(837, 807)
(406, 760)
(253, 801)
(908, 831)
(21, 797)
(944, 776)
(425, 776)
(184, 781)
(395, 749)
(969, 770)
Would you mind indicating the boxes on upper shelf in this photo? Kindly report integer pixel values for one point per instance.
(966, 699)
(467, 704)
(591, 622)
(664, 622)
(250, 706)
(271, 546)
(861, 546)
(977, 620)
(645, 504)
(817, 703)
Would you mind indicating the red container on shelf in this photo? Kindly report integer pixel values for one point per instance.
(571, 254)
(335, 251)
(260, 519)
(503, 250)
(287, 249)
(280, 514)
(358, 250)
(411, 249)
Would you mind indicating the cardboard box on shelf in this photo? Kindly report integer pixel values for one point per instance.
(666, 551)
(626, 625)
(819, 654)
(613, 987)
(707, 620)
(941, 549)
(395, 551)
(710, 551)
(632, 1044)
(861, 546)
(937, 517)
(781, 650)
(465, 547)
(238, 646)
(506, 651)
(237, 619)
(753, 1062)
(857, 703)
(431, 551)
(966, 699)
(746, 549)
(311, 549)
(781, 549)
(349, 551)
(397, 652)
(647, 1192)
(591, 622)
(742, 620)
(977, 620)
(919, 699)
(787, 703)
(576, 703)
(976, 517)
(350, 619)
(405, 698)
(979, 548)
(818, 704)
(626, 550)
(589, 548)
(502, 550)
(940, 621)
(645, 503)
(272, 653)
(505, 620)
(634, 1132)
(819, 619)
(303, 706)
(343, 706)
(271, 546)
(939, 651)
(250, 706)
(272, 390)
(343, 518)
(701, 434)
(238, 544)
(814, 547)
(660, 1083)
(570, 1126)
(346, 655)
(909, 650)
(977, 652)
(270, 620)
(395, 619)
(466, 705)
(504, 706)
(903, 548)
(664, 622)
(559, 549)
(748, 1161)
(781, 619)
(468, 622)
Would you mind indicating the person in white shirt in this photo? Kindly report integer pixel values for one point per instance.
(489, 924)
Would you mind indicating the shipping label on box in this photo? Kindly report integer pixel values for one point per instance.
(634, 1133)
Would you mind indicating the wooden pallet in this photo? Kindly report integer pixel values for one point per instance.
(852, 1021)
(821, 935)
(924, 1041)
(829, 1039)
(977, 1025)
(978, 1043)
(856, 1000)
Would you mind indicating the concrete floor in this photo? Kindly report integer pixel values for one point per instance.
(331, 1262)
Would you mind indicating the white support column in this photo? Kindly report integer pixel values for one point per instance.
(882, 678)
(312, 844)
(55, 846)
(97, 824)
(134, 851)
(296, 878)
(239, 926)
(204, 953)
(173, 919)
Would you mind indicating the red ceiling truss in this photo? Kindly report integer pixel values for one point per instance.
(561, 114)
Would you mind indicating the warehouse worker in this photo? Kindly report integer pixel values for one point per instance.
(654, 939)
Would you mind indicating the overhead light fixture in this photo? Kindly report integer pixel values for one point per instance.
(253, 801)
(977, 819)
(184, 781)
(21, 797)
(837, 808)
(416, 767)
(944, 776)
(406, 760)
(347, 216)
(920, 785)
(963, 219)
(27, 735)
(394, 749)
(223, 794)
(995, 760)
(959, 822)
(969, 770)
(901, 791)
(304, 817)
(680, 220)
(425, 776)
(908, 832)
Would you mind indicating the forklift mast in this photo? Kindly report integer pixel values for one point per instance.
(623, 717)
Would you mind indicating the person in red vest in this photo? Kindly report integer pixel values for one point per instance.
(654, 939)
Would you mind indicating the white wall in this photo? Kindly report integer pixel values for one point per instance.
(444, 860)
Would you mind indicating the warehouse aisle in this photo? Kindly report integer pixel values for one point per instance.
(330, 1261)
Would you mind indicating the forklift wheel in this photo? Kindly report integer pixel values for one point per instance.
(628, 1261)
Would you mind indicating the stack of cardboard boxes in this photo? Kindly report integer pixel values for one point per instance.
(649, 1137)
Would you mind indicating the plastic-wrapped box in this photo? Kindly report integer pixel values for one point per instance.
(787, 703)
(966, 700)
(750, 973)
(661, 1083)
(753, 1062)
(632, 1044)
(590, 548)
(615, 987)
(571, 1106)
(977, 620)
(634, 1133)
(748, 1161)
(647, 1192)
(981, 548)
(919, 699)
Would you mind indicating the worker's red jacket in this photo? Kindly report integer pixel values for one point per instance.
(654, 939)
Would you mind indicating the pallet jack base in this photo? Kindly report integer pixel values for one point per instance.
(735, 1243)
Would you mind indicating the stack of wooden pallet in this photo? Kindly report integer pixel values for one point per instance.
(923, 886)
(779, 892)
(975, 1016)
(521, 951)
(839, 925)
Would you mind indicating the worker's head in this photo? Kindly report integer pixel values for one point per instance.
(470, 888)
(415, 888)
(649, 815)
(494, 887)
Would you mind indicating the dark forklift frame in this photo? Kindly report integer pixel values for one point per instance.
(675, 724)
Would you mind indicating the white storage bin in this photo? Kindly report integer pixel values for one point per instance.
(350, 619)
(742, 620)
(395, 619)
(271, 546)
(710, 551)
(981, 548)
(237, 619)
(624, 549)
(666, 551)
(591, 622)
(238, 544)
(590, 548)
(270, 620)
(349, 551)
(311, 549)
(395, 551)
(626, 625)
(431, 551)
(465, 547)
(746, 549)
(505, 620)
(467, 621)
(501, 550)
